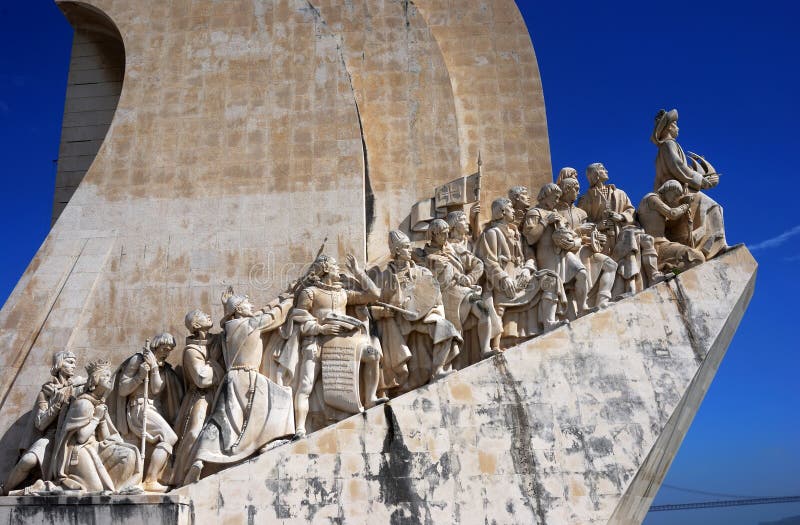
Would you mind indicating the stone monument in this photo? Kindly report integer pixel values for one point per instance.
(478, 358)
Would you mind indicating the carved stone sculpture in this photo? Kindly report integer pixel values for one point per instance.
(37, 445)
(525, 299)
(412, 323)
(521, 200)
(89, 453)
(656, 211)
(601, 268)
(149, 395)
(203, 370)
(333, 345)
(556, 244)
(458, 274)
(634, 252)
(250, 410)
(703, 227)
(463, 230)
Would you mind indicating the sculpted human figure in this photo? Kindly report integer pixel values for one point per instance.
(634, 251)
(249, 410)
(521, 200)
(556, 245)
(162, 403)
(525, 299)
(413, 325)
(89, 453)
(327, 332)
(703, 225)
(202, 372)
(601, 268)
(462, 234)
(656, 211)
(37, 444)
(458, 274)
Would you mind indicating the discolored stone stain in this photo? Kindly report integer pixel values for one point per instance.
(326, 442)
(251, 514)
(461, 392)
(487, 462)
(536, 497)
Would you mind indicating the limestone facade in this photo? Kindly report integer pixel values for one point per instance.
(246, 133)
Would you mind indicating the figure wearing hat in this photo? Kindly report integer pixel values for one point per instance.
(419, 343)
(249, 410)
(703, 226)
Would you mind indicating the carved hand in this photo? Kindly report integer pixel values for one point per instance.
(463, 280)
(475, 209)
(59, 397)
(709, 181)
(352, 264)
(144, 369)
(330, 329)
(553, 218)
(100, 411)
(508, 287)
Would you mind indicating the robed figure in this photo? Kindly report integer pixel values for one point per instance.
(249, 410)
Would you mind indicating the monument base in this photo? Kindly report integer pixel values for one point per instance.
(152, 509)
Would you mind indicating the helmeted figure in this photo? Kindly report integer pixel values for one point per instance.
(556, 245)
(525, 298)
(249, 410)
(703, 226)
(89, 453)
(458, 273)
(335, 354)
(419, 343)
(632, 249)
(656, 211)
(203, 371)
(37, 442)
(601, 268)
(162, 403)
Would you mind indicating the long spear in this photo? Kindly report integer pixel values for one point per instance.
(144, 409)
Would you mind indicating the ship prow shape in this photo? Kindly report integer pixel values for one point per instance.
(579, 425)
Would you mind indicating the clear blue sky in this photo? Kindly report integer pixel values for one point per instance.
(730, 69)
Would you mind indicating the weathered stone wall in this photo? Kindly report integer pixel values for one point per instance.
(237, 146)
(577, 426)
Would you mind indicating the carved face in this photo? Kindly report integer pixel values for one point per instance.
(103, 382)
(332, 267)
(549, 202)
(245, 308)
(508, 213)
(162, 352)
(522, 201)
(672, 129)
(438, 238)
(600, 173)
(203, 322)
(461, 226)
(68, 365)
(672, 197)
(402, 252)
(570, 193)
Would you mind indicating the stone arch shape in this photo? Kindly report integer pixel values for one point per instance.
(94, 86)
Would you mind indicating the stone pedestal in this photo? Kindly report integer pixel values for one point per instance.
(146, 509)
